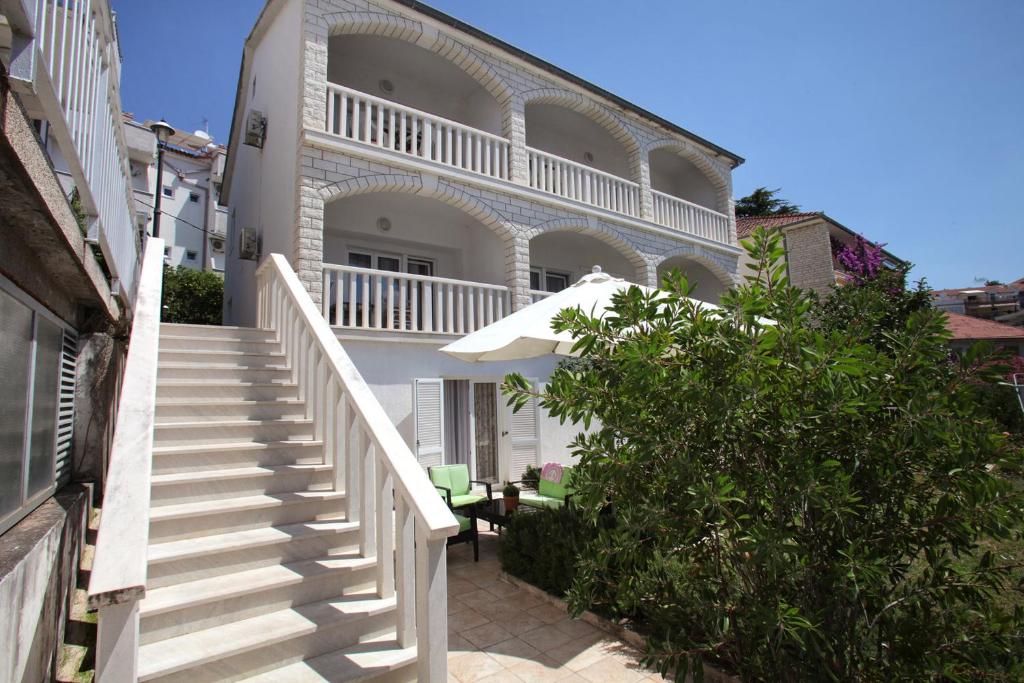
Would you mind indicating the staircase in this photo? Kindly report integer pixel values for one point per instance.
(254, 568)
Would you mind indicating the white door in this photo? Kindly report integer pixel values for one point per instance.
(522, 437)
(428, 411)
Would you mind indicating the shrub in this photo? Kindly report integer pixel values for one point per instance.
(542, 547)
(793, 501)
(531, 478)
(192, 296)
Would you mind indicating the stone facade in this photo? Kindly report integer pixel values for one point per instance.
(329, 174)
(809, 257)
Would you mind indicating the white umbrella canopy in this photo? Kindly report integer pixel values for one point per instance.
(527, 333)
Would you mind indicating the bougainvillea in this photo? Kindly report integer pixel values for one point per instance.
(862, 260)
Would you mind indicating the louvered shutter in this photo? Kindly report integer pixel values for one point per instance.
(524, 438)
(429, 419)
(66, 406)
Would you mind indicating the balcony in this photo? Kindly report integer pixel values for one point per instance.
(580, 183)
(679, 214)
(370, 299)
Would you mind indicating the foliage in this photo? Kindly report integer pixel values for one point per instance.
(793, 501)
(862, 260)
(992, 283)
(542, 547)
(531, 478)
(510, 490)
(764, 202)
(192, 296)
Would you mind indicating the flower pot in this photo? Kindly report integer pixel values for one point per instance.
(510, 503)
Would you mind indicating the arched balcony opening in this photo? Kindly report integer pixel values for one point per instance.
(706, 286)
(406, 262)
(685, 198)
(677, 176)
(573, 156)
(560, 258)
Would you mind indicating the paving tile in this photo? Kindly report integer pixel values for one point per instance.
(485, 635)
(458, 646)
(501, 677)
(548, 613)
(546, 637)
(540, 670)
(576, 628)
(522, 623)
(473, 667)
(610, 670)
(465, 620)
(578, 654)
(510, 652)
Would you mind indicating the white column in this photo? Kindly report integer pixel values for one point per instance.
(431, 608)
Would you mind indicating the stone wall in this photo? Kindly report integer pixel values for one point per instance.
(809, 257)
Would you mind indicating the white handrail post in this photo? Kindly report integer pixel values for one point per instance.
(117, 643)
(431, 608)
(385, 532)
(405, 582)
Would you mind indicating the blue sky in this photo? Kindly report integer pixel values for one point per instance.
(902, 120)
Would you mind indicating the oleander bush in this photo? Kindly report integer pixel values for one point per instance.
(191, 296)
(542, 547)
(794, 500)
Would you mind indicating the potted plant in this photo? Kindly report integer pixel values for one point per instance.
(511, 497)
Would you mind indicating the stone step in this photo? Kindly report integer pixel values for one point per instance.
(222, 371)
(197, 558)
(173, 341)
(380, 659)
(229, 389)
(185, 607)
(216, 332)
(223, 357)
(184, 487)
(198, 457)
(252, 646)
(208, 517)
(186, 410)
(231, 431)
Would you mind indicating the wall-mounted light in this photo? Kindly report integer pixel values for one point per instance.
(383, 224)
(385, 85)
(588, 157)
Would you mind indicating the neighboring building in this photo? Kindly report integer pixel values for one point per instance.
(69, 261)
(811, 240)
(967, 330)
(1003, 303)
(194, 225)
(399, 145)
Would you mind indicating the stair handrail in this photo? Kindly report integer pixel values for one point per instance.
(403, 521)
(118, 579)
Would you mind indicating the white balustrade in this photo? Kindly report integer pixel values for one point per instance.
(65, 60)
(538, 294)
(118, 579)
(386, 300)
(582, 183)
(679, 214)
(357, 116)
(387, 492)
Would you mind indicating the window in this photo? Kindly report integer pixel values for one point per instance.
(193, 197)
(542, 279)
(394, 263)
(190, 255)
(34, 365)
(168, 191)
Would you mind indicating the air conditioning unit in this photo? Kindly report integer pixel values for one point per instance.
(255, 129)
(248, 244)
(217, 244)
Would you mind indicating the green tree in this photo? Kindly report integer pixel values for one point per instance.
(792, 502)
(192, 296)
(764, 202)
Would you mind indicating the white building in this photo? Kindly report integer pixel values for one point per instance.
(424, 178)
(190, 187)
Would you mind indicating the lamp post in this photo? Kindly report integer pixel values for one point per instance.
(163, 131)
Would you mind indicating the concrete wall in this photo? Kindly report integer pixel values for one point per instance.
(577, 254)
(38, 571)
(674, 175)
(571, 135)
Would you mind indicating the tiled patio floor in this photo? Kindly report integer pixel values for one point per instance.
(498, 633)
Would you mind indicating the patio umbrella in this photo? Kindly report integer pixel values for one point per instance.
(527, 333)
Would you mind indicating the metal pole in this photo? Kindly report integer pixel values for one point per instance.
(159, 187)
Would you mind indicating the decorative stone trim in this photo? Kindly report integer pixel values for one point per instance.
(716, 174)
(598, 230)
(718, 266)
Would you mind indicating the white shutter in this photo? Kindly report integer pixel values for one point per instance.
(524, 437)
(429, 418)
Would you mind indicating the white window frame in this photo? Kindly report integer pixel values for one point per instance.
(403, 258)
(543, 273)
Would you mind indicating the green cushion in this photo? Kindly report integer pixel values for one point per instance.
(463, 523)
(463, 501)
(550, 489)
(540, 502)
(454, 477)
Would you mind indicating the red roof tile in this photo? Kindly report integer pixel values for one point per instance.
(745, 225)
(966, 327)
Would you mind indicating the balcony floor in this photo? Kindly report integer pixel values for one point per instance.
(497, 632)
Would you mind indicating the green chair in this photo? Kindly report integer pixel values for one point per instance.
(549, 494)
(453, 482)
(467, 532)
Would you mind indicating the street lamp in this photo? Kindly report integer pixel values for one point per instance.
(163, 131)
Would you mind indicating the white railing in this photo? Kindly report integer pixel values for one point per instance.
(357, 116)
(385, 300)
(403, 522)
(584, 184)
(66, 61)
(673, 212)
(118, 579)
(538, 294)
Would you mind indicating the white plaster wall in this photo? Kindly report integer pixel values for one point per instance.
(674, 175)
(577, 254)
(422, 79)
(569, 134)
(706, 286)
(263, 194)
(390, 368)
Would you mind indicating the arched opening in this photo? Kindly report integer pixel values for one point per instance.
(410, 75)
(409, 262)
(571, 135)
(560, 258)
(705, 285)
(675, 175)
